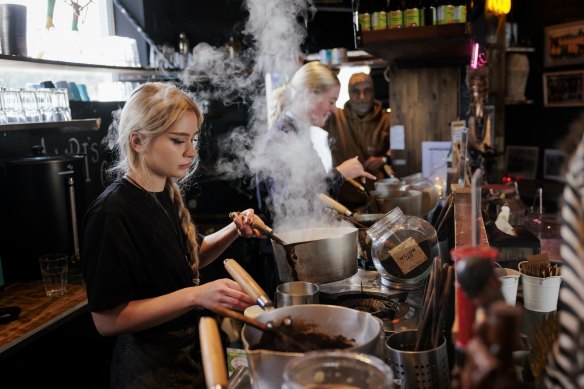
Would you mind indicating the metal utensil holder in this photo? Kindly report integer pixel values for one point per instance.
(417, 369)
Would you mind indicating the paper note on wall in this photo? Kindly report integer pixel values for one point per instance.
(397, 137)
(434, 155)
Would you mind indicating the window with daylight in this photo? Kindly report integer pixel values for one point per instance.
(67, 30)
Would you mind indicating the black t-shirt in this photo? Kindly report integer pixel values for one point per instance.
(131, 249)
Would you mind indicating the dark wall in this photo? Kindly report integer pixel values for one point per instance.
(203, 21)
(522, 121)
(123, 27)
(215, 22)
(534, 124)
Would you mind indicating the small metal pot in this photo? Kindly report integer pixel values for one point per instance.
(317, 255)
(296, 293)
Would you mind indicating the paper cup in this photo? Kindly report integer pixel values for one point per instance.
(541, 294)
(253, 311)
(509, 282)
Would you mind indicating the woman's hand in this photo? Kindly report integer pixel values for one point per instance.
(243, 221)
(224, 292)
(374, 164)
(352, 168)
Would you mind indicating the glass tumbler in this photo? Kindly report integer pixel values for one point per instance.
(44, 103)
(13, 106)
(30, 105)
(60, 103)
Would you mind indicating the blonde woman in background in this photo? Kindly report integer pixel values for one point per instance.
(141, 250)
(291, 169)
(290, 173)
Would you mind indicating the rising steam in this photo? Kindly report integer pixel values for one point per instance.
(277, 30)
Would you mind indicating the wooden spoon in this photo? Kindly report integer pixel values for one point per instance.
(225, 312)
(212, 354)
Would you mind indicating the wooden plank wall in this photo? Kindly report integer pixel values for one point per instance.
(425, 101)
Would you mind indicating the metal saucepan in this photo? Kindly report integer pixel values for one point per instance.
(317, 255)
(266, 366)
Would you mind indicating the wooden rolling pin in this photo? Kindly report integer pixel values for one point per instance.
(212, 354)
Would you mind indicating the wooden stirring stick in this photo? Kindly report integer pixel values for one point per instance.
(301, 347)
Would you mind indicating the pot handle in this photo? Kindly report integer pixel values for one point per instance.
(340, 208)
(356, 185)
(248, 283)
(212, 354)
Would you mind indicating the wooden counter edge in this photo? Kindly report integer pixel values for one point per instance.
(42, 328)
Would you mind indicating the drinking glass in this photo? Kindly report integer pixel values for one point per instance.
(54, 268)
(3, 119)
(13, 106)
(60, 102)
(44, 104)
(30, 105)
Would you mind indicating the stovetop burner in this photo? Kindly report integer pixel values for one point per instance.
(397, 309)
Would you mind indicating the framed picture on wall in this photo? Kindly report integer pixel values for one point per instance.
(564, 44)
(553, 161)
(563, 89)
(521, 162)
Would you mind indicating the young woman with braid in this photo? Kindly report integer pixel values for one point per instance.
(142, 253)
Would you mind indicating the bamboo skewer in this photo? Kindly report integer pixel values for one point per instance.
(431, 324)
(442, 311)
(540, 269)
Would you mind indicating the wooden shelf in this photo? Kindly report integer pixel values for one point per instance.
(518, 102)
(125, 73)
(77, 124)
(520, 49)
(421, 46)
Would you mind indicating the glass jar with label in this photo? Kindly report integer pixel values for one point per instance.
(403, 249)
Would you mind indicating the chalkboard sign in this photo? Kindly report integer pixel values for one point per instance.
(70, 140)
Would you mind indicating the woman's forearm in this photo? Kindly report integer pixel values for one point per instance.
(215, 244)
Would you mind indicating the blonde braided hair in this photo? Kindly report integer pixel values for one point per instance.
(186, 224)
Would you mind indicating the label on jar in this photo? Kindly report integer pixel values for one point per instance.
(395, 19)
(408, 255)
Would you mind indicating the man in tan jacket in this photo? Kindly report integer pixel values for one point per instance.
(360, 129)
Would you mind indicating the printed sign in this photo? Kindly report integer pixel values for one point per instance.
(408, 255)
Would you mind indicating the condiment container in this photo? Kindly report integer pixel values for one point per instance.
(403, 249)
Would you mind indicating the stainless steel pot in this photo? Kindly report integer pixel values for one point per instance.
(317, 255)
(266, 367)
